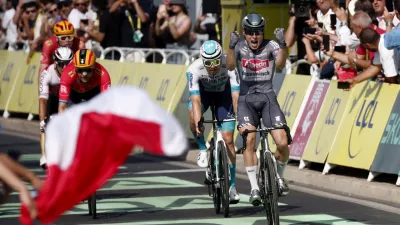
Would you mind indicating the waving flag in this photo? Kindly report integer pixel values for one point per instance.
(87, 143)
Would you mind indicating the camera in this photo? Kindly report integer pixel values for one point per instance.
(302, 8)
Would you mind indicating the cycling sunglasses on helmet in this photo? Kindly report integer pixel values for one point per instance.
(252, 32)
(212, 62)
(82, 70)
(65, 37)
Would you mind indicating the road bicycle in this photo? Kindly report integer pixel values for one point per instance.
(218, 170)
(267, 177)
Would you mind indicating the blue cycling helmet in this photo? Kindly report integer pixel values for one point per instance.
(210, 50)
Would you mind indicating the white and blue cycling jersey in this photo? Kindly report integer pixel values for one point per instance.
(200, 80)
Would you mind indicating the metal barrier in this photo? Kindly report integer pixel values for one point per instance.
(142, 55)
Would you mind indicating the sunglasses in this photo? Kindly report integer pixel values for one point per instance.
(213, 62)
(31, 11)
(53, 10)
(65, 37)
(62, 64)
(253, 32)
(82, 70)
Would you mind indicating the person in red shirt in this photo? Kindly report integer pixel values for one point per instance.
(64, 37)
(82, 79)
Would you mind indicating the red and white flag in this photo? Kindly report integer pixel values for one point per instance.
(87, 143)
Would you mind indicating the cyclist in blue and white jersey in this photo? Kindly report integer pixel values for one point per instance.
(210, 80)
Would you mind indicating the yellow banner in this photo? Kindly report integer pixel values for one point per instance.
(9, 72)
(327, 124)
(364, 121)
(232, 15)
(290, 97)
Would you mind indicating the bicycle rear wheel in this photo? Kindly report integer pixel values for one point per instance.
(270, 197)
(224, 178)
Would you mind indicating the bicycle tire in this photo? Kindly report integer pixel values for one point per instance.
(90, 205)
(224, 178)
(93, 203)
(215, 191)
(270, 190)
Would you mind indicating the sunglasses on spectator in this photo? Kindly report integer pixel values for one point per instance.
(62, 64)
(253, 32)
(213, 62)
(65, 37)
(82, 70)
(53, 10)
(30, 11)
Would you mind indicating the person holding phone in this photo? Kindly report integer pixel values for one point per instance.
(256, 60)
(385, 59)
(82, 14)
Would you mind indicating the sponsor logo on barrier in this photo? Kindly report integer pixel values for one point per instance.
(255, 64)
(7, 74)
(329, 120)
(123, 80)
(388, 154)
(288, 103)
(143, 82)
(163, 90)
(362, 120)
(308, 118)
(28, 79)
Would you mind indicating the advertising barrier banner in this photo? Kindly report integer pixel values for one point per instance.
(26, 93)
(387, 159)
(9, 74)
(325, 128)
(364, 121)
(308, 118)
(290, 97)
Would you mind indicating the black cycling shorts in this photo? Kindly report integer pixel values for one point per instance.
(77, 97)
(250, 106)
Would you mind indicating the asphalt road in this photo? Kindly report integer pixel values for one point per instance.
(155, 191)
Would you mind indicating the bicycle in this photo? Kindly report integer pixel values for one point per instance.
(267, 177)
(218, 181)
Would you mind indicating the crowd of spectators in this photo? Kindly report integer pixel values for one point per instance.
(345, 41)
(26, 24)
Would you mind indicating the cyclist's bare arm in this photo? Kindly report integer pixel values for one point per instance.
(42, 108)
(43, 95)
(235, 88)
(235, 96)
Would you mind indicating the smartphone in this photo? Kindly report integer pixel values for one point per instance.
(320, 25)
(308, 30)
(80, 33)
(343, 85)
(333, 21)
(341, 49)
(85, 21)
(325, 41)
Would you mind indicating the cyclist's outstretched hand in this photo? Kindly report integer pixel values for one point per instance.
(280, 37)
(234, 39)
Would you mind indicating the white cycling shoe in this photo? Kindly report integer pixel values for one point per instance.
(234, 197)
(202, 159)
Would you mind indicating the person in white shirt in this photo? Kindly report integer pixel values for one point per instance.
(381, 12)
(83, 12)
(384, 58)
(323, 15)
(9, 26)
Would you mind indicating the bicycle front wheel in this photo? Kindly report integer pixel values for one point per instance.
(271, 190)
(216, 192)
(224, 178)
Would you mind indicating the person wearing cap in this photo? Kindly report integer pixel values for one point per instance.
(63, 36)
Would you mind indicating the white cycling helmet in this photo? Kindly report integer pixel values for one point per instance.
(63, 54)
(210, 50)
